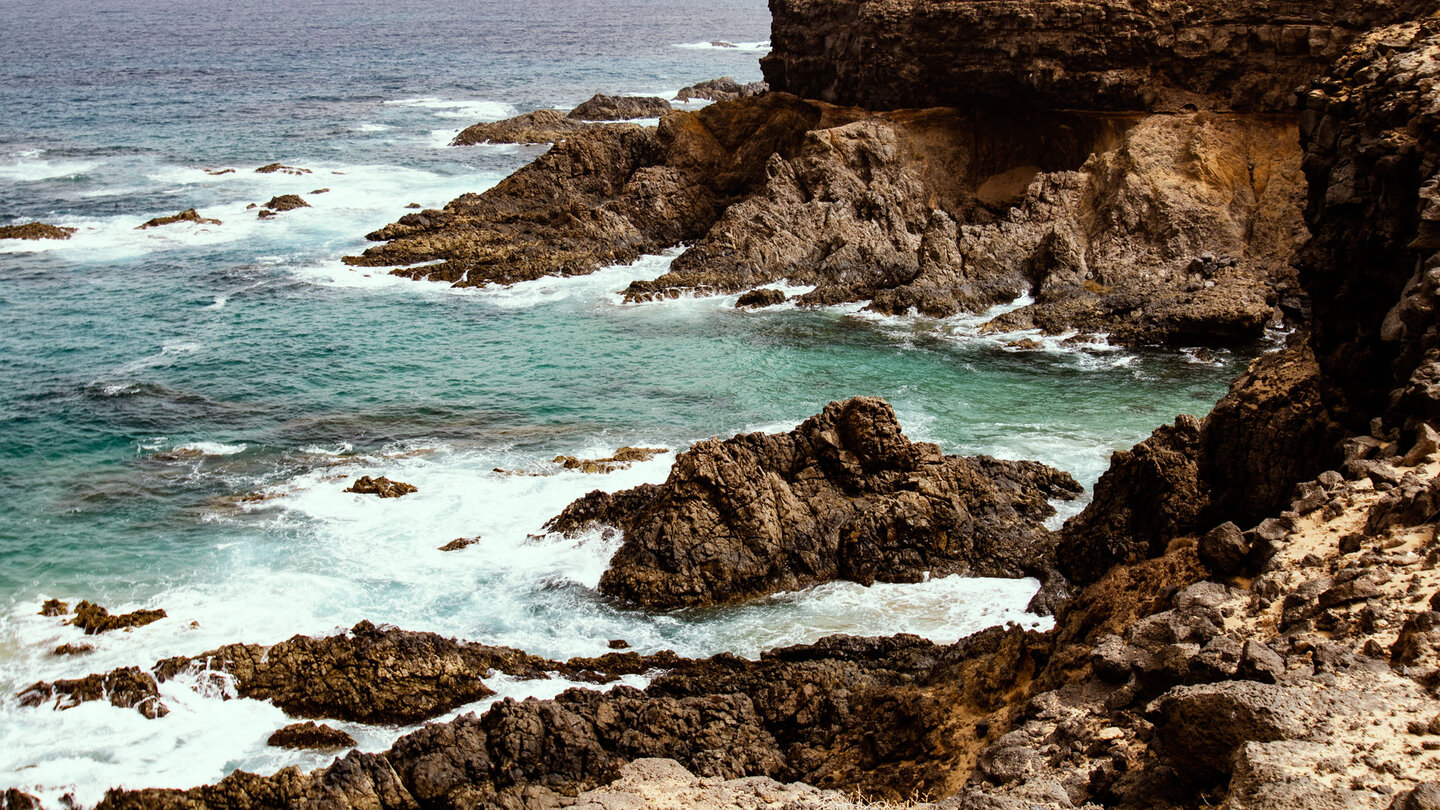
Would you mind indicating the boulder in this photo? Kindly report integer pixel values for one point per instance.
(721, 89)
(763, 297)
(844, 496)
(460, 543)
(1224, 548)
(286, 202)
(601, 107)
(1202, 726)
(272, 168)
(125, 688)
(54, 607)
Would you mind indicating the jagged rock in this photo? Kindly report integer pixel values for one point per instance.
(1202, 726)
(601, 107)
(1409, 504)
(271, 168)
(764, 297)
(188, 215)
(619, 644)
(35, 230)
(367, 675)
(124, 688)
(540, 126)
(460, 543)
(93, 618)
(382, 487)
(1418, 642)
(1098, 54)
(286, 202)
(54, 607)
(1260, 663)
(310, 735)
(621, 460)
(721, 89)
(1422, 797)
(843, 496)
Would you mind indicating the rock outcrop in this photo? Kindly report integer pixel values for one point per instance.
(93, 618)
(273, 168)
(721, 89)
(310, 735)
(540, 126)
(621, 459)
(188, 215)
(381, 487)
(844, 496)
(601, 107)
(1097, 54)
(35, 231)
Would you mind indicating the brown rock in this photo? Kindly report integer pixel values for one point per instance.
(541, 126)
(188, 215)
(721, 89)
(460, 543)
(310, 735)
(382, 487)
(72, 649)
(621, 460)
(843, 496)
(320, 191)
(287, 202)
(218, 172)
(35, 230)
(124, 688)
(620, 108)
(760, 298)
(54, 607)
(94, 619)
(271, 168)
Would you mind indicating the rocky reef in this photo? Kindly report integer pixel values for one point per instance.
(843, 496)
(35, 231)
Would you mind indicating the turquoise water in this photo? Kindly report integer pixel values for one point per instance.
(151, 379)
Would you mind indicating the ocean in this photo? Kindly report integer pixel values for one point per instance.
(152, 379)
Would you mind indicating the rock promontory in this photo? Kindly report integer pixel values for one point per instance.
(843, 496)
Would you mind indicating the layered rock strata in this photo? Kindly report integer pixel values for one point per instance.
(843, 496)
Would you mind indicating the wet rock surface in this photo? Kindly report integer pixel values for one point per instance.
(272, 168)
(93, 618)
(621, 459)
(721, 89)
(35, 230)
(381, 487)
(310, 735)
(284, 202)
(188, 215)
(843, 496)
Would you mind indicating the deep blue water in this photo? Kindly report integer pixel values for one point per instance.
(151, 379)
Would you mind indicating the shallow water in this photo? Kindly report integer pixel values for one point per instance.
(151, 379)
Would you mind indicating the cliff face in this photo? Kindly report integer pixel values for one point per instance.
(1094, 54)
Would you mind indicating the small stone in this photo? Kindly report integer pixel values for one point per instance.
(619, 644)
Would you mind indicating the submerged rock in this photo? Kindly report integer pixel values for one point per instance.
(310, 735)
(460, 543)
(124, 688)
(93, 618)
(188, 215)
(382, 487)
(35, 230)
(272, 168)
(601, 107)
(843, 496)
(621, 460)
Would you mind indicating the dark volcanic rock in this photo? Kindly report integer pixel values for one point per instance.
(125, 688)
(1095, 54)
(382, 487)
(540, 126)
(188, 215)
(310, 735)
(760, 298)
(843, 496)
(367, 675)
(93, 618)
(35, 230)
(1270, 432)
(620, 108)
